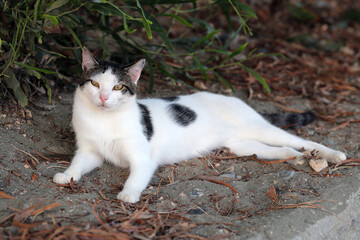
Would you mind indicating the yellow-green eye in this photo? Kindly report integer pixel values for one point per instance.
(118, 87)
(94, 83)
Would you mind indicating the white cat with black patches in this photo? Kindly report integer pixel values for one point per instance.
(111, 124)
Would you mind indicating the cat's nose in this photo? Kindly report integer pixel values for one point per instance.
(103, 98)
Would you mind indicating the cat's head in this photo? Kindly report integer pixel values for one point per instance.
(109, 85)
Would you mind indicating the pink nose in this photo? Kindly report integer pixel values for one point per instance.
(103, 98)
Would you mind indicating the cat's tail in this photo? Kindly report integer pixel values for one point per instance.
(290, 120)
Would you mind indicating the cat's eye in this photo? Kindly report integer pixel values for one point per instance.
(94, 83)
(118, 87)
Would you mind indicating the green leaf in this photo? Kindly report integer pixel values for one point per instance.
(246, 9)
(180, 19)
(145, 21)
(107, 9)
(236, 52)
(56, 4)
(52, 18)
(14, 85)
(126, 27)
(257, 77)
(162, 33)
(207, 37)
(33, 73)
(74, 36)
(167, 73)
(34, 68)
(201, 67)
(48, 88)
(216, 51)
(223, 80)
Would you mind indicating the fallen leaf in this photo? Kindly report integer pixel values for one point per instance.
(271, 193)
(34, 177)
(4, 195)
(47, 207)
(343, 125)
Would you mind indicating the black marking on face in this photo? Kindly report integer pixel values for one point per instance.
(146, 121)
(181, 114)
(171, 99)
(128, 89)
(116, 69)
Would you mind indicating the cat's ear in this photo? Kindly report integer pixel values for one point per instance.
(88, 60)
(135, 70)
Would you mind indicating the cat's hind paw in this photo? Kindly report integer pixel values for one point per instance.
(336, 157)
(129, 195)
(63, 178)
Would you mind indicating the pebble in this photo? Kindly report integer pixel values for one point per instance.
(286, 175)
(28, 114)
(318, 164)
(228, 175)
(22, 113)
(196, 193)
(347, 51)
(182, 195)
(200, 85)
(195, 211)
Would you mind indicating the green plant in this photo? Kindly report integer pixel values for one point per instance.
(40, 39)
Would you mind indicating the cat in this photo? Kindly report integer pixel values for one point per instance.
(111, 124)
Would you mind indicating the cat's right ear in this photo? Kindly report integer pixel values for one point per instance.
(88, 60)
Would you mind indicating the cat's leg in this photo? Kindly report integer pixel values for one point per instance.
(250, 147)
(82, 163)
(278, 137)
(142, 169)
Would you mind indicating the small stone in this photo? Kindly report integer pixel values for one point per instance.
(195, 211)
(311, 132)
(228, 91)
(22, 113)
(28, 114)
(200, 85)
(318, 164)
(286, 175)
(228, 175)
(347, 51)
(182, 195)
(196, 193)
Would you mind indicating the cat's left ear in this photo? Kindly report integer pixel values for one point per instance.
(135, 70)
(88, 60)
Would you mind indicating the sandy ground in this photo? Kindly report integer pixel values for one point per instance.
(187, 200)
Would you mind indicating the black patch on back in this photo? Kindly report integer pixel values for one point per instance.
(170, 99)
(290, 120)
(181, 114)
(146, 121)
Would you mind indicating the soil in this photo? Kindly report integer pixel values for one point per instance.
(218, 196)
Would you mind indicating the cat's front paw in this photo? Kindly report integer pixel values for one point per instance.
(63, 178)
(129, 195)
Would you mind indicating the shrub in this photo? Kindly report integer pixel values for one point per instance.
(41, 40)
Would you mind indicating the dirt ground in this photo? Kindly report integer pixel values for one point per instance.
(218, 196)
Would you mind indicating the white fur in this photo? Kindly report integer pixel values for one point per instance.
(113, 131)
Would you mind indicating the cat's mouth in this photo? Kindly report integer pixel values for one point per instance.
(105, 106)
